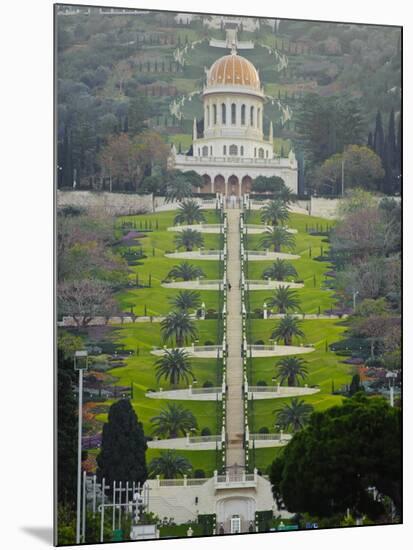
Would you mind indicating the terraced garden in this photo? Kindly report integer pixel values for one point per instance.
(140, 337)
(326, 370)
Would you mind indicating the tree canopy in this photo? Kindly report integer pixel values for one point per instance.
(122, 454)
(328, 467)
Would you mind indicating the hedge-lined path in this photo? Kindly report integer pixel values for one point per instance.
(235, 406)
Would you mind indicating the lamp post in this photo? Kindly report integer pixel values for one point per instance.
(80, 365)
(355, 294)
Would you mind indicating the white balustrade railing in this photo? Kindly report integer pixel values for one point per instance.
(205, 439)
(263, 389)
(203, 391)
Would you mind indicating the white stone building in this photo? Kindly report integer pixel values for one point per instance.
(233, 150)
(234, 498)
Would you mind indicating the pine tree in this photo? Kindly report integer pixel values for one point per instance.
(122, 455)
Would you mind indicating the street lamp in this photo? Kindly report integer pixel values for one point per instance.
(355, 294)
(80, 365)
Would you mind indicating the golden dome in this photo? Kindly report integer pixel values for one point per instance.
(235, 70)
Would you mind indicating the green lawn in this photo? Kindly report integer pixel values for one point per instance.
(325, 368)
(141, 337)
(311, 271)
(157, 266)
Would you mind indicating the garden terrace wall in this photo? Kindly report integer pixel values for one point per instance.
(115, 204)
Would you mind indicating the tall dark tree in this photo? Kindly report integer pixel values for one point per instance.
(327, 467)
(66, 431)
(370, 140)
(326, 125)
(391, 139)
(122, 455)
(138, 112)
(378, 140)
(399, 141)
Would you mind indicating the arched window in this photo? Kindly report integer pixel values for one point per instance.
(233, 113)
(223, 113)
(259, 118)
(242, 115)
(252, 116)
(233, 150)
(261, 153)
(205, 151)
(208, 121)
(225, 149)
(266, 154)
(242, 150)
(214, 113)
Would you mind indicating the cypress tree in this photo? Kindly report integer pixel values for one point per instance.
(66, 431)
(399, 146)
(391, 139)
(388, 173)
(378, 142)
(122, 455)
(370, 140)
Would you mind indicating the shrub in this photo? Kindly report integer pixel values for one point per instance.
(264, 430)
(205, 431)
(207, 384)
(258, 313)
(199, 474)
(211, 314)
(261, 383)
(208, 343)
(259, 343)
(374, 362)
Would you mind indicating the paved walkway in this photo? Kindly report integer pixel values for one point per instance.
(201, 227)
(202, 284)
(196, 255)
(261, 256)
(235, 407)
(185, 444)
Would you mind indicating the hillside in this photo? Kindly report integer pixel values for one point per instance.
(106, 60)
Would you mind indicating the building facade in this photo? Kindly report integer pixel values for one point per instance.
(233, 150)
(234, 499)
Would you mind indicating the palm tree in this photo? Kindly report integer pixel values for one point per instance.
(173, 420)
(178, 188)
(295, 415)
(280, 270)
(277, 237)
(174, 366)
(287, 328)
(274, 213)
(169, 465)
(178, 325)
(185, 271)
(290, 369)
(189, 212)
(284, 194)
(186, 300)
(189, 239)
(284, 299)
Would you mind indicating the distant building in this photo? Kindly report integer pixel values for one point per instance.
(233, 151)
